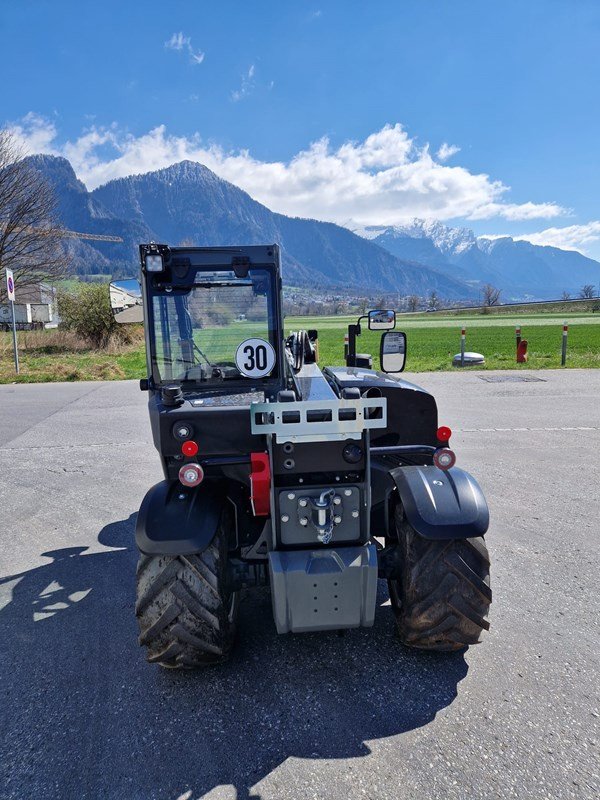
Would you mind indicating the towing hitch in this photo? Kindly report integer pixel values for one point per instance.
(322, 515)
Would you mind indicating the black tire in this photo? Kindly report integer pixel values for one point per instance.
(186, 610)
(442, 595)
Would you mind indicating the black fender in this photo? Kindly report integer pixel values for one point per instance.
(442, 504)
(174, 520)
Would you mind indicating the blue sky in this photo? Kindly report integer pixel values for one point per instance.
(471, 111)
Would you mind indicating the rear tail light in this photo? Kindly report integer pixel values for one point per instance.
(444, 458)
(189, 448)
(191, 474)
(444, 433)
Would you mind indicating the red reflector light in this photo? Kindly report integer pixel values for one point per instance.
(444, 433)
(191, 474)
(444, 458)
(189, 448)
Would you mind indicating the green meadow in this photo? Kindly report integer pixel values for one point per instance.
(433, 339)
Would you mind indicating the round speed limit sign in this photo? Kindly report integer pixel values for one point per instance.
(255, 358)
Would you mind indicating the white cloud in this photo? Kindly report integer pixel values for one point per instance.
(246, 86)
(573, 237)
(179, 41)
(446, 151)
(35, 133)
(387, 179)
(520, 211)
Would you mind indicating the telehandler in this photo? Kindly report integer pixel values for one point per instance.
(317, 481)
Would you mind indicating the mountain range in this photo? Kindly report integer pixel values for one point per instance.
(186, 203)
(520, 269)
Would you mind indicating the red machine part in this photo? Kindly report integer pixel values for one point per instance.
(444, 433)
(260, 484)
(189, 448)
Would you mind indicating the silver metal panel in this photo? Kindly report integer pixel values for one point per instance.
(324, 589)
(268, 418)
(312, 384)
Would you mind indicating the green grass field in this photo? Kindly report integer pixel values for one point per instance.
(432, 342)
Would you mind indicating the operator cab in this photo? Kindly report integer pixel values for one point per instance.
(213, 319)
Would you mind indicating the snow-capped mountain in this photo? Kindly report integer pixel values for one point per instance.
(445, 239)
(517, 267)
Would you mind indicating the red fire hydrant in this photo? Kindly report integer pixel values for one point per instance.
(522, 351)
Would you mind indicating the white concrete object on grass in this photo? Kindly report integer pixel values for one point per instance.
(469, 359)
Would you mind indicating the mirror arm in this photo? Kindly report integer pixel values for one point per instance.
(353, 332)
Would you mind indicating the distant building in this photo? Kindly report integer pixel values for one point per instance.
(35, 293)
(34, 306)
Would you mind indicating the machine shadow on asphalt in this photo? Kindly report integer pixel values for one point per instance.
(77, 690)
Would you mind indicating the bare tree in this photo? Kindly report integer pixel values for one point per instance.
(587, 292)
(412, 302)
(566, 295)
(433, 300)
(30, 235)
(491, 295)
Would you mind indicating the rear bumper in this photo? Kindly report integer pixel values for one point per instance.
(325, 589)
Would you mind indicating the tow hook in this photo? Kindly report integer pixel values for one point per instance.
(322, 516)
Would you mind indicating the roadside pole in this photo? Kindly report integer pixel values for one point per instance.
(563, 358)
(10, 288)
(463, 336)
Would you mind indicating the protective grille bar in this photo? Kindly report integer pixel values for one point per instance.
(318, 420)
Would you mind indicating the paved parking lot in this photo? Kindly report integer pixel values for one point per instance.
(312, 716)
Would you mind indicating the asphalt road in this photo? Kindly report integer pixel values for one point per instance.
(310, 716)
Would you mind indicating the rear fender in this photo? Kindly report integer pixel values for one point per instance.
(174, 520)
(442, 504)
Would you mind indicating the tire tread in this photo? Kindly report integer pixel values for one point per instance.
(442, 593)
(185, 609)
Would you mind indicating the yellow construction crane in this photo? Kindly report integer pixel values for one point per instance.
(95, 237)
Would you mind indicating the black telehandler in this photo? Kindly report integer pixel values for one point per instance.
(317, 481)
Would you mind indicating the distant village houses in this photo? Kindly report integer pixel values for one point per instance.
(35, 307)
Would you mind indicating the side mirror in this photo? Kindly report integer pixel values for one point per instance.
(126, 301)
(392, 354)
(382, 320)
